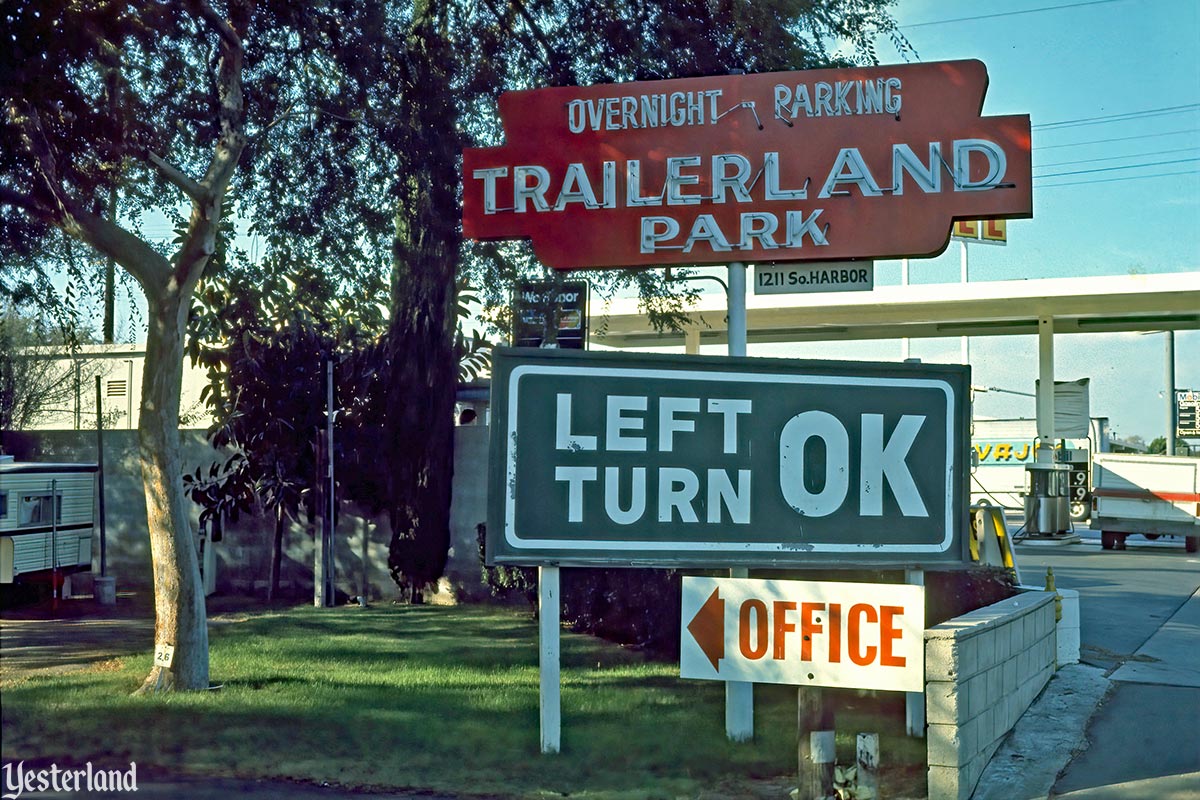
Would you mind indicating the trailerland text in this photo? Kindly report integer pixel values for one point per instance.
(735, 178)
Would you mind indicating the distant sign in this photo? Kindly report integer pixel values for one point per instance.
(1018, 453)
(619, 460)
(540, 308)
(1187, 412)
(988, 231)
(820, 276)
(847, 635)
(1005, 453)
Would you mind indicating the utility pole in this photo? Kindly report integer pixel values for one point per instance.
(1170, 393)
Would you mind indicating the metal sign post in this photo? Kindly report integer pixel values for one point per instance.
(739, 695)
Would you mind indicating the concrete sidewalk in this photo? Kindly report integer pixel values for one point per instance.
(1046, 738)
(1128, 735)
(1171, 657)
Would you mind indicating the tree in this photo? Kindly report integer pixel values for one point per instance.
(152, 93)
(1158, 446)
(394, 93)
(29, 387)
(264, 340)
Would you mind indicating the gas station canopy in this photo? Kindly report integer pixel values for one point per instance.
(1103, 304)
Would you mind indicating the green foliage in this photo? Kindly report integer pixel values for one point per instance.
(1158, 446)
(632, 606)
(503, 581)
(264, 334)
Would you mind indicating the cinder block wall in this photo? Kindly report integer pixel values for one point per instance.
(982, 671)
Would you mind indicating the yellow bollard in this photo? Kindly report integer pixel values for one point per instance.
(1057, 597)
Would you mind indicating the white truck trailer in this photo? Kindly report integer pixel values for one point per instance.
(1150, 495)
(47, 517)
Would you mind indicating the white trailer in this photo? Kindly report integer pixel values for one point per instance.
(1150, 495)
(47, 518)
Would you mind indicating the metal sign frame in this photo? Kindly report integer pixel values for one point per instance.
(531, 505)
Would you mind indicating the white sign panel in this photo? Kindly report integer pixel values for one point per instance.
(847, 635)
(816, 276)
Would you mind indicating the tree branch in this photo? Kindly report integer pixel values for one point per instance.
(25, 202)
(175, 176)
(506, 22)
(138, 258)
(551, 56)
(228, 35)
(200, 240)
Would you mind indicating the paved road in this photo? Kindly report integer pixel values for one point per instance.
(1140, 621)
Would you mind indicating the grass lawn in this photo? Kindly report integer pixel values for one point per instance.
(435, 698)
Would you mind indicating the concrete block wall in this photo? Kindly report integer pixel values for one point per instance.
(982, 671)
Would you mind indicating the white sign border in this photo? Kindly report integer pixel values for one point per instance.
(518, 543)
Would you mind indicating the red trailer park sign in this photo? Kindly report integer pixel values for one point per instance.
(788, 166)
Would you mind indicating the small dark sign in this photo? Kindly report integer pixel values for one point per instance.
(549, 314)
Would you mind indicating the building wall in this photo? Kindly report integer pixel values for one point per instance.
(119, 368)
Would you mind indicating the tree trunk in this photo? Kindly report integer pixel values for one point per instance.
(423, 367)
(179, 610)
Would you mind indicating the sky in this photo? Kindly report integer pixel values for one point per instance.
(1113, 91)
(1092, 76)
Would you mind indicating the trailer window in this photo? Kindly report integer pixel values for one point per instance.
(34, 509)
(3, 505)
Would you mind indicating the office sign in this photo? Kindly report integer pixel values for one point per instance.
(845, 635)
(820, 276)
(816, 165)
(618, 460)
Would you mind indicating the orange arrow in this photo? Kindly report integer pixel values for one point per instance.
(708, 628)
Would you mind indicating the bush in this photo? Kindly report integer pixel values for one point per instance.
(641, 607)
(638, 607)
(503, 582)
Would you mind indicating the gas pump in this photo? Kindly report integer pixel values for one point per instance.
(1047, 499)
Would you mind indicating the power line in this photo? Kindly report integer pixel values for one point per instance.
(1116, 158)
(1119, 139)
(1114, 169)
(1006, 14)
(1129, 115)
(1117, 180)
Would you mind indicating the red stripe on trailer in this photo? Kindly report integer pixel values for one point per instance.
(1146, 494)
